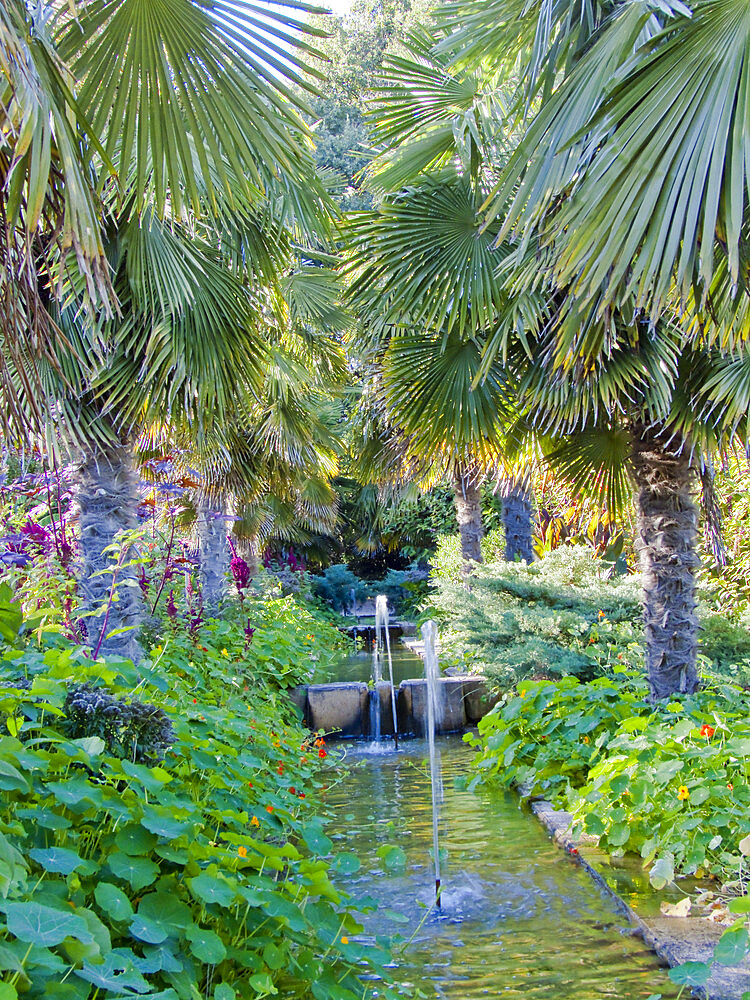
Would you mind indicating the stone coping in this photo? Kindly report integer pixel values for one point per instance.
(674, 939)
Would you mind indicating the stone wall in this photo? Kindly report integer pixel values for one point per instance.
(344, 708)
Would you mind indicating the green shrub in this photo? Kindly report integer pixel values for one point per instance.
(337, 584)
(668, 782)
(554, 617)
(203, 876)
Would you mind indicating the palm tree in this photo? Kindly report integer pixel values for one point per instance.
(423, 263)
(626, 192)
(193, 138)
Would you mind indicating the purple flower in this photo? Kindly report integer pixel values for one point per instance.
(240, 572)
(171, 606)
(249, 632)
(32, 531)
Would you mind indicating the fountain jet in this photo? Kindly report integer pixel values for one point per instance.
(381, 626)
(435, 712)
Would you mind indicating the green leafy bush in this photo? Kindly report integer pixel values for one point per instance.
(562, 615)
(203, 876)
(555, 617)
(666, 781)
(337, 585)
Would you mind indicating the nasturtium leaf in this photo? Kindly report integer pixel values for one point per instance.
(619, 834)
(8, 992)
(732, 946)
(76, 793)
(167, 908)
(206, 945)
(43, 925)
(11, 779)
(224, 992)
(699, 795)
(662, 872)
(261, 982)
(113, 901)
(273, 956)
(212, 890)
(57, 859)
(116, 972)
(45, 818)
(152, 778)
(394, 857)
(690, 974)
(178, 855)
(91, 745)
(148, 930)
(397, 918)
(741, 904)
(163, 824)
(316, 840)
(134, 839)
(139, 872)
(346, 864)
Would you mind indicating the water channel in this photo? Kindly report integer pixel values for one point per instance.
(519, 918)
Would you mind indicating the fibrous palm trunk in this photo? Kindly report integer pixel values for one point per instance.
(666, 542)
(213, 549)
(106, 490)
(468, 499)
(518, 505)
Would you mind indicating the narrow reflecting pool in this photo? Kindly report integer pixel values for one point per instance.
(519, 918)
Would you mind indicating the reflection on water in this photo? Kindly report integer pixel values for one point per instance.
(519, 918)
(358, 666)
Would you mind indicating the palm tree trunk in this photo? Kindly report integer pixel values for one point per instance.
(667, 532)
(518, 504)
(213, 549)
(106, 491)
(468, 498)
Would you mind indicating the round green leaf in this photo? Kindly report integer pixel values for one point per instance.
(139, 872)
(57, 859)
(206, 945)
(43, 925)
(690, 974)
(732, 946)
(163, 824)
(316, 840)
(212, 890)
(222, 992)
(148, 930)
(113, 901)
(166, 908)
(134, 839)
(346, 864)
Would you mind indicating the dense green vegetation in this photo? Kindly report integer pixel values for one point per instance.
(447, 302)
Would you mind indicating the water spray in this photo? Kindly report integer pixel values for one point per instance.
(435, 711)
(382, 622)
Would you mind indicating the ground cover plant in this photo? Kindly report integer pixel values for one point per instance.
(160, 835)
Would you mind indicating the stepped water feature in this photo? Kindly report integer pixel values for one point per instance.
(518, 918)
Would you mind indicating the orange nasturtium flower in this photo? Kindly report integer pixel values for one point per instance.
(255, 821)
(242, 851)
(345, 940)
(269, 809)
(707, 731)
(683, 793)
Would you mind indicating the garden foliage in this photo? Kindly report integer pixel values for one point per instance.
(666, 781)
(561, 615)
(159, 834)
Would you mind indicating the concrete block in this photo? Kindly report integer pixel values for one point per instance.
(454, 714)
(341, 707)
(386, 709)
(477, 699)
(406, 722)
